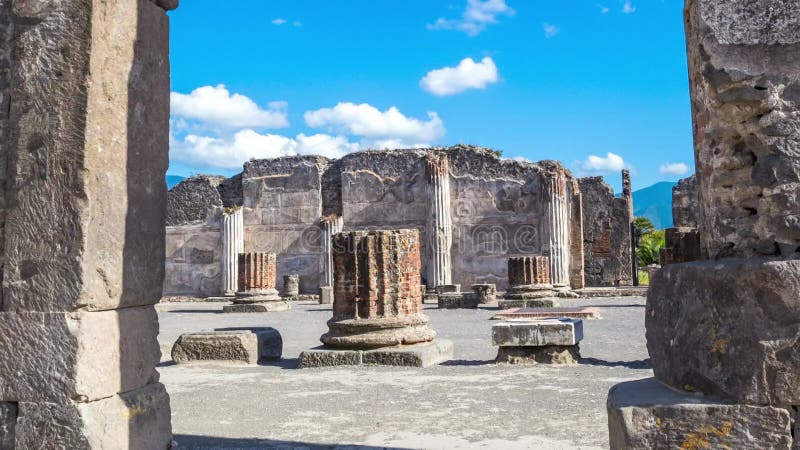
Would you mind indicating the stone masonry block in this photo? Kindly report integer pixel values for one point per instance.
(139, 419)
(85, 229)
(458, 300)
(728, 328)
(538, 333)
(244, 345)
(8, 424)
(55, 357)
(645, 414)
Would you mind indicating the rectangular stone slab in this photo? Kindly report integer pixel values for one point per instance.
(508, 303)
(457, 300)
(545, 313)
(235, 345)
(421, 355)
(646, 414)
(539, 333)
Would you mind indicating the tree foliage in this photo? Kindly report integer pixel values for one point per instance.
(649, 249)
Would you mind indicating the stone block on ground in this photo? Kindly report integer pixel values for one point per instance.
(448, 289)
(419, 355)
(236, 345)
(508, 303)
(538, 333)
(589, 312)
(460, 300)
(138, 419)
(485, 293)
(550, 354)
(646, 414)
(326, 295)
(728, 328)
(261, 307)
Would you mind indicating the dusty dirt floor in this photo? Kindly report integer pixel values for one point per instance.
(469, 402)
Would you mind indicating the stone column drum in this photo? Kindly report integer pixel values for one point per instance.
(557, 229)
(330, 226)
(529, 281)
(439, 227)
(377, 306)
(232, 236)
(291, 285)
(723, 333)
(257, 281)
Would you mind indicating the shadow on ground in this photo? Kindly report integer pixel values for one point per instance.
(639, 364)
(187, 442)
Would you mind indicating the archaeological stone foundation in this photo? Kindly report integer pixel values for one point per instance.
(473, 211)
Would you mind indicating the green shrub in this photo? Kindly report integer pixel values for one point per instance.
(649, 249)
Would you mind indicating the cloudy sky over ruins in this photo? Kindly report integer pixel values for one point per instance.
(598, 85)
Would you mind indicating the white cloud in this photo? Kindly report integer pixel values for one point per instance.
(673, 168)
(278, 21)
(604, 9)
(610, 163)
(216, 106)
(297, 23)
(551, 30)
(628, 8)
(467, 75)
(478, 15)
(231, 152)
(376, 126)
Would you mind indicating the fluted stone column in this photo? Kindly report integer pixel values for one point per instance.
(556, 221)
(232, 236)
(439, 223)
(257, 281)
(331, 225)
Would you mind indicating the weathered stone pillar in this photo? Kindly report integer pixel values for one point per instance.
(291, 285)
(728, 327)
(257, 282)
(439, 228)
(330, 226)
(377, 304)
(577, 279)
(627, 195)
(83, 154)
(232, 236)
(556, 222)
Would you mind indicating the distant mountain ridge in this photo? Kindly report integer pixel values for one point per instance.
(655, 203)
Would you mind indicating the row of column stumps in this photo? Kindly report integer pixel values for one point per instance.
(439, 226)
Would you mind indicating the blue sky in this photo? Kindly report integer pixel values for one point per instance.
(560, 79)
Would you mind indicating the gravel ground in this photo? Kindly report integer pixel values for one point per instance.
(469, 402)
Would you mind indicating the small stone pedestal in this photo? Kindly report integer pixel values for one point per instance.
(552, 341)
(232, 345)
(457, 300)
(291, 286)
(485, 293)
(257, 284)
(377, 306)
(529, 278)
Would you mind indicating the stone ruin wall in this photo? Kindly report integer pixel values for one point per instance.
(496, 211)
(606, 235)
(685, 204)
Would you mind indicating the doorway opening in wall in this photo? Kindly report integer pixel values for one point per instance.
(494, 129)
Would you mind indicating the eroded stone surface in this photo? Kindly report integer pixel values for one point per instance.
(551, 354)
(685, 204)
(54, 357)
(746, 108)
(645, 414)
(729, 328)
(420, 355)
(682, 245)
(8, 424)
(457, 300)
(138, 419)
(485, 293)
